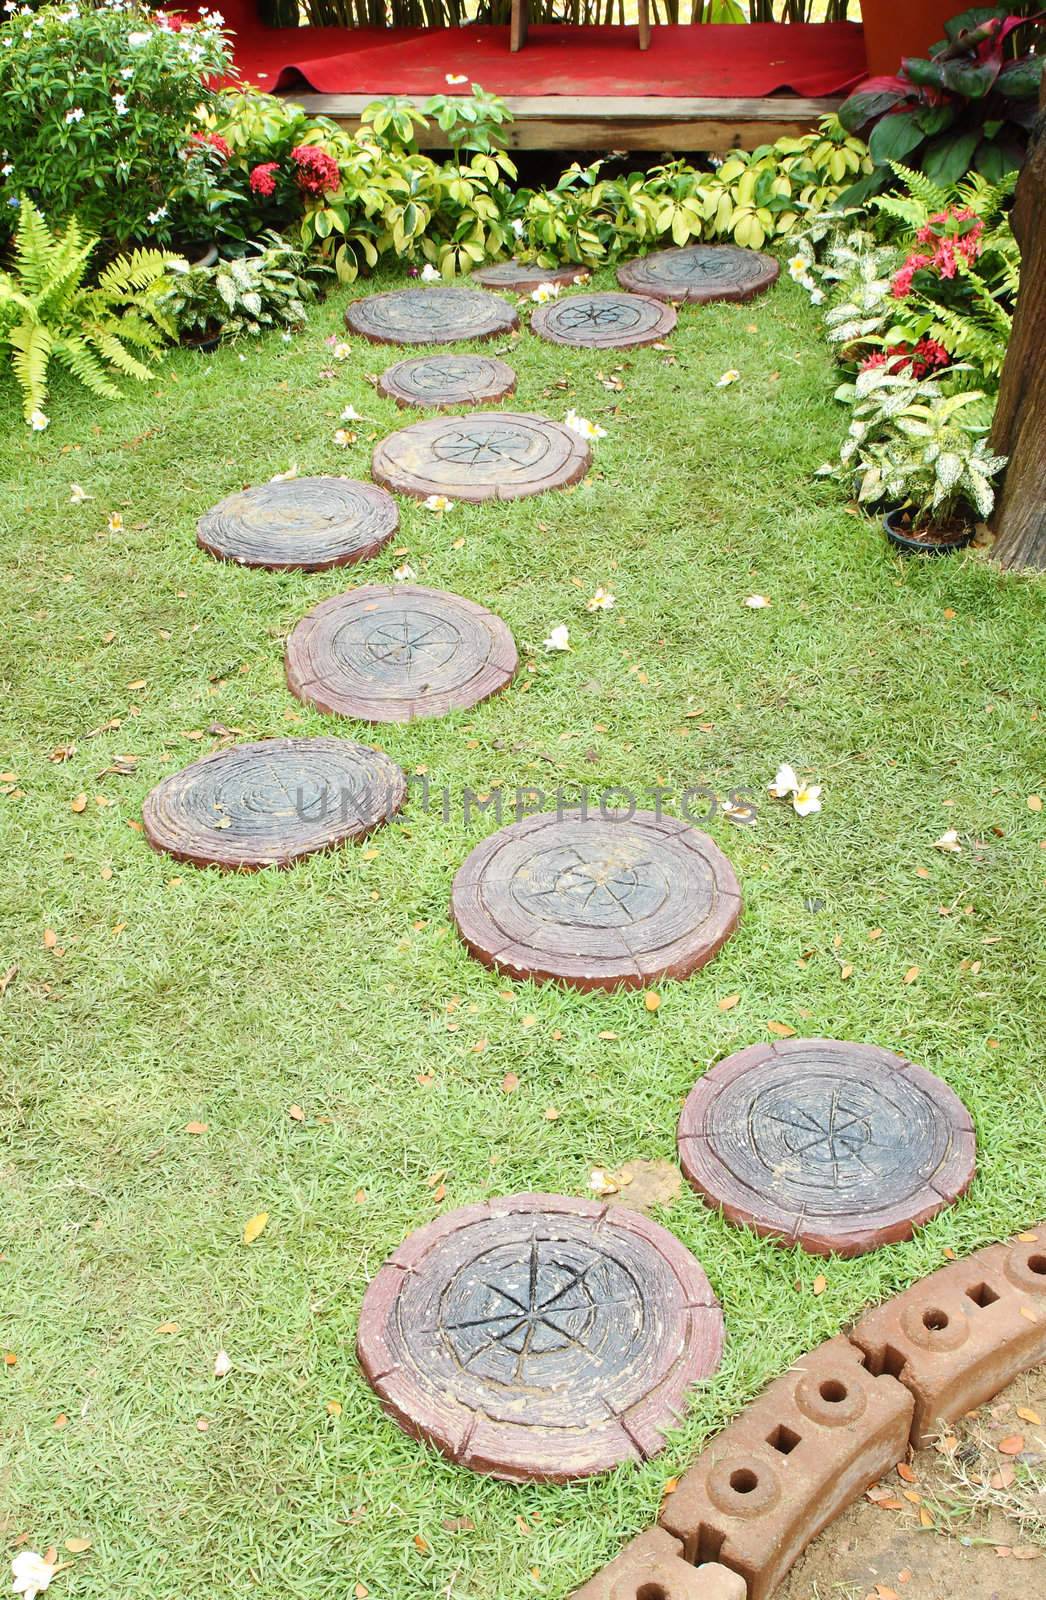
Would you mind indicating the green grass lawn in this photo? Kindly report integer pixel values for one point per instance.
(162, 995)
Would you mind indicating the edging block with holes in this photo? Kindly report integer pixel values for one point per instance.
(788, 1464)
(959, 1336)
(651, 1567)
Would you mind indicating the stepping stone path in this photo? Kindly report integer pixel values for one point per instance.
(490, 455)
(523, 276)
(430, 316)
(391, 654)
(834, 1146)
(539, 1337)
(440, 381)
(304, 524)
(596, 903)
(700, 272)
(270, 803)
(603, 321)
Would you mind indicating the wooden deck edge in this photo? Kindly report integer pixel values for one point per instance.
(621, 122)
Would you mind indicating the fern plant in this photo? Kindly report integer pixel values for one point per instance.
(46, 312)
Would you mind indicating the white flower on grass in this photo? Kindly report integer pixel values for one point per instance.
(798, 267)
(785, 783)
(949, 843)
(341, 351)
(431, 274)
(75, 115)
(343, 438)
(350, 414)
(806, 799)
(757, 602)
(582, 277)
(285, 477)
(222, 1365)
(404, 574)
(729, 377)
(602, 600)
(158, 215)
(457, 77)
(31, 1574)
(38, 422)
(558, 639)
(115, 523)
(581, 425)
(544, 293)
(120, 104)
(816, 297)
(438, 502)
(78, 494)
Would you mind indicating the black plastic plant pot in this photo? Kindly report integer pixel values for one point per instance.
(203, 342)
(934, 542)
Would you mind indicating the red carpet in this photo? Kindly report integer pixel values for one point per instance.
(703, 61)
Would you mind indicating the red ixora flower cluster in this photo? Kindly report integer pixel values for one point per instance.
(215, 141)
(262, 179)
(953, 233)
(924, 357)
(318, 173)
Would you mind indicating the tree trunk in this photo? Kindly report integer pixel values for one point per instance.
(1019, 429)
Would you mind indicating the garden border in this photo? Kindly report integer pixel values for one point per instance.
(844, 1414)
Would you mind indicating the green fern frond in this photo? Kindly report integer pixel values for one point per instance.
(118, 356)
(130, 274)
(31, 347)
(82, 362)
(921, 188)
(35, 249)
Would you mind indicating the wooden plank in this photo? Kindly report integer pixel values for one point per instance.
(625, 122)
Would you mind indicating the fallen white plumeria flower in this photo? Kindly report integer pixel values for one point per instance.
(350, 414)
(602, 1182)
(949, 843)
(544, 293)
(222, 1365)
(404, 574)
(602, 600)
(115, 523)
(430, 274)
(38, 422)
(558, 639)
(342, 438)
(785, 783)
(581, 425)
(342, 351)
(798, 267)
(78, 494)
(285, 477)
(757, 602)
(456, 77)
(730, 376)
(806, 799)
(438, 502)
(31, 1574)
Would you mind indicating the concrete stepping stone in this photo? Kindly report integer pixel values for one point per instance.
(302, 524)
(447, 380)
(603, 321)
(430, 316)
(489, 455)
(700, 272)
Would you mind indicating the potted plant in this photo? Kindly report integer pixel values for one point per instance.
(264, 289)
(922, 454)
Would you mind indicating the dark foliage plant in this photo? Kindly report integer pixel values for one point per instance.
(968, 107)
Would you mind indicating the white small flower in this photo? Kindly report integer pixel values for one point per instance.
(10, 5)
(730, 376)
(518, 227)
(31, 1574)
(581, 425)
(38, 422)
(602, 600)
(127, 73)
(120, 104)
(438, 502)
(544, 293)
(404, 574)
(949, 843)
(457, 77)
(7, 169)
(78, 494)
(342, 438)
(222, 1364)
(602, 1182)
(581, 277)
(342, 352)
(805, 800)
(558, 639)
(158, 215)
(816, 297)
(798, 267)
(757, 602)
(350, 414)
(431, 274)
(286, 337)
(75, 115)
(285, 477)
(115, 523)
(785, 783)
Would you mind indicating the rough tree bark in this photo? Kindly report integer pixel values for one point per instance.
(1019, 429)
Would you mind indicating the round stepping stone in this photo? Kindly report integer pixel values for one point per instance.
(430, 316)
(491, 455)
(524, 276)
(603, 321)
(833, 1146)
(270, 803)
(700, 272)
(449, 380)
(304, 524)
(539, 1337)
(391, 654)
(596, 902)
